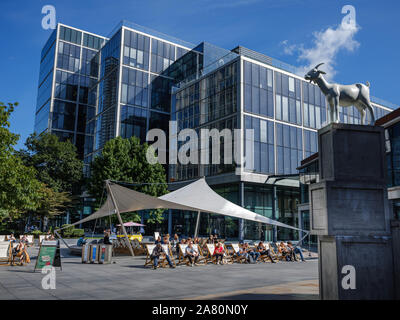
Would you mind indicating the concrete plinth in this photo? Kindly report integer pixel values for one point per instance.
(350, 213)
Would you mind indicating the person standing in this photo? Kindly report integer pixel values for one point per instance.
(106, 237)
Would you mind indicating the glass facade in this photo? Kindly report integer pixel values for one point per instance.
(69, 67)
(393, 156)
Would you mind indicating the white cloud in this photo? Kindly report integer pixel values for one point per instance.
(326, 45)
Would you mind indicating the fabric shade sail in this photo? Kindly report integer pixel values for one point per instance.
(197, 196)
(131, 224)
(129, 200)
(201, 197)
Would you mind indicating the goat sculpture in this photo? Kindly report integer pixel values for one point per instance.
(343, 95)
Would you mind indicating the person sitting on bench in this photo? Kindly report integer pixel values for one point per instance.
(264, 251)
(157, 252)
(219, 253)
(210, 239)
(192, 254)
(295, 250)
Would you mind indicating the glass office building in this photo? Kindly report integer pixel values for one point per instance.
(139, 79)
(69, 66)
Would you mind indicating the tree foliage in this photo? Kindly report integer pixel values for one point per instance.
(19, 189)
(55, 161)
(125, 160)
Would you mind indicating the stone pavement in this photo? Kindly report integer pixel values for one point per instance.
(128, 279)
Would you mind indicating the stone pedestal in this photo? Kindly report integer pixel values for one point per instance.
(350, 213)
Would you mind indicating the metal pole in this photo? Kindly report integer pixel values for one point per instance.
(119, 218)
(241, 221)
(274, 215)
(196, 231)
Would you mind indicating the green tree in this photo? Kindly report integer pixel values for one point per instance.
(125, 160)
(56, 162)
(19, 188)
(52, 203)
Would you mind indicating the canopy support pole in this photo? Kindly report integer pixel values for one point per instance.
(119, 218)
(196, 231)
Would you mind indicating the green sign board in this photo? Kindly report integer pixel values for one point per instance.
(49, 255)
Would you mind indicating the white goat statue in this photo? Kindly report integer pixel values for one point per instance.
(343, 95)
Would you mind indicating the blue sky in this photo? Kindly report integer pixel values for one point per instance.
(282, 29)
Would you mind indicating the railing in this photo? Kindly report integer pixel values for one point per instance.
(384, 103)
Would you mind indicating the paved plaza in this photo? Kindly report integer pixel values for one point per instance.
(128, 279)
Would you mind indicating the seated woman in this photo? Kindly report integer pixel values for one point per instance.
(219, 253)
(284, 251)
(20, 252)
(261, 248)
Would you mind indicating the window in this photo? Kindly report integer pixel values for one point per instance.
(278, 103)
(70, 35)
(285, 109)
(291, 84)
(136, 50)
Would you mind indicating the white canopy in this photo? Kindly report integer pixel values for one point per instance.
(200, 197)
(197, 196)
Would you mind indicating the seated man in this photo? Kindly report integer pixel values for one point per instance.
(157, 252)
(295, 250)
(264, 251)
(219, 253)
(243, 253)
(252, 253)
(192, 254)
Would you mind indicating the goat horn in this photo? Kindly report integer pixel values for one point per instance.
(320, 64)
